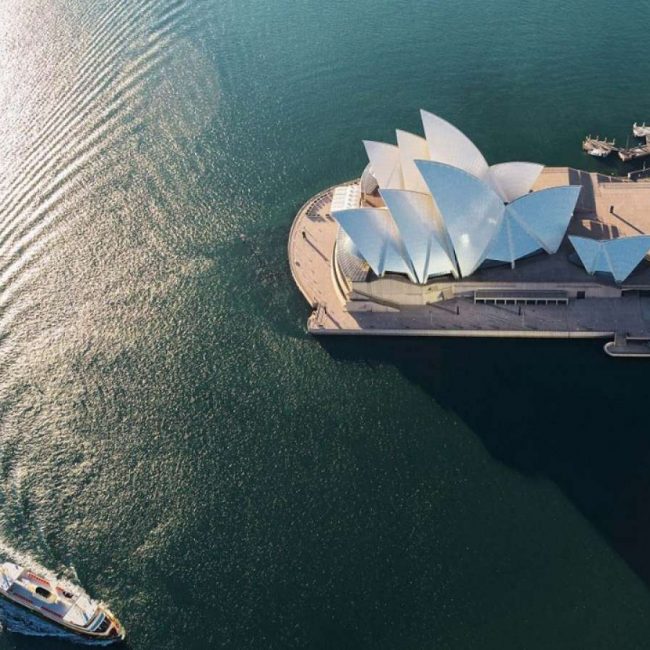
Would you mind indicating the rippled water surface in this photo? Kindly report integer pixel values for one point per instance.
(172, 439)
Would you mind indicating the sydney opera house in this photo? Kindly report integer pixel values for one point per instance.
(433, 239)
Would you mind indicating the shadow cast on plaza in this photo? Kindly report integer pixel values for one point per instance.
(561, 410)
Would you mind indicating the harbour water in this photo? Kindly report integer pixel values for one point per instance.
(173, 440)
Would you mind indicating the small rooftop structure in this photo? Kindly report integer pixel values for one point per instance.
(346, 197)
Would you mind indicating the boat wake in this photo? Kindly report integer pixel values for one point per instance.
(16, 619)
(67, 579)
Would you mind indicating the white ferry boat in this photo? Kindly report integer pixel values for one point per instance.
(69, 610)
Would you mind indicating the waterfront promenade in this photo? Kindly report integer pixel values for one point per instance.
(311, 246)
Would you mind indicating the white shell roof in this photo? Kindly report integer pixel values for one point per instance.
(422, 233)
(412, 148)
(471, 211)
(616, 256)
(480, 225)
(588, 251)
(512, 241)
(513, 179)
(394, 167)
(385, 164)
(374, 234)
(448, 210)
(450, 146)
(546, 214)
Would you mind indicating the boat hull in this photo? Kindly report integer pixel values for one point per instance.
(22, 619)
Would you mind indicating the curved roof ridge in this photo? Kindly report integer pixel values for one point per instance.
(471, 211)
(422, 233)
(547, 219)
(449, 145)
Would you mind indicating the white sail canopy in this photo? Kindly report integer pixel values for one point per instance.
(373, 233)
(616, 256)
(422, 232)
(447, 210)
(412, 148)
(450, 146)
(512, 241)
(513, 179)
(385, 164)
(393, 167)
(471, 211)
(546, 214)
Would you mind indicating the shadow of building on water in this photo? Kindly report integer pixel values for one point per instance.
(561, 410)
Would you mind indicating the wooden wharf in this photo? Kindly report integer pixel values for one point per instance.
(634, 153)
(599, 148)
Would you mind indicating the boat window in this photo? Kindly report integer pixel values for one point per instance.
(104, 625)
(42, 592)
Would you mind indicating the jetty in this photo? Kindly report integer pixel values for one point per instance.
(634, 153)
(624, 346)
(599, 148)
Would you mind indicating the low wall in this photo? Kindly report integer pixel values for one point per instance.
(404, 293)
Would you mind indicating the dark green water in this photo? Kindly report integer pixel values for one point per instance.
(171, 436)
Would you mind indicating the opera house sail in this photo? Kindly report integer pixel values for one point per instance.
(451, 211)
(431, 223)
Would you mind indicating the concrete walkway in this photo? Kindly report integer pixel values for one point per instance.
(311, 246)
(623, 347)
